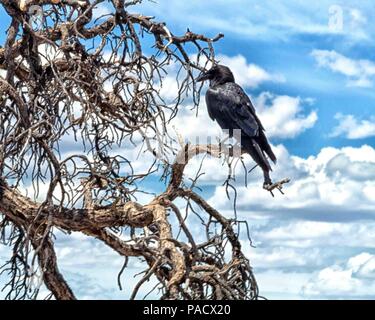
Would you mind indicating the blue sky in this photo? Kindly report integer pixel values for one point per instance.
(311, 75)
(280, 36)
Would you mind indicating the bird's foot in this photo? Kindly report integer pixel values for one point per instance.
(269, 186)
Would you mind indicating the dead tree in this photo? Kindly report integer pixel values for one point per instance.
(66, 71)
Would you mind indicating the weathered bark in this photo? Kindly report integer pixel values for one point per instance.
(132, 214)
(52, 277)
(119, 99)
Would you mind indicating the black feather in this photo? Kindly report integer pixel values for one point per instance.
(229, 105)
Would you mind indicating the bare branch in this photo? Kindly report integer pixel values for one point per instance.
(77, 94)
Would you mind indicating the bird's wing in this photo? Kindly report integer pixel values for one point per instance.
(248, 103)
(229, 105)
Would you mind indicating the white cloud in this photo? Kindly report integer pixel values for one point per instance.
(332, 281)
(352, 128)
(283, 246)
(336, 181)
(353, 278)
(283, 257)
(317, 234)
(318, 223)
(358, 18)
(276, 284)
(283, 116)
(363, 265)
(265, 20)
(91, 268)
(87, 288)
(359, 73)
(192, 125)
(247, 74)
(49, 53)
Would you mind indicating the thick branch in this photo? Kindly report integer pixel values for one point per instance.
(52, 277)
(185, 155)
(18, 206)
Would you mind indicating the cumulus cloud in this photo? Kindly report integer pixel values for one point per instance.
(352, 128)
(359, 73)
(287, 251)
(356, 277)
(284, 116)
(247, 74)
(332, 281)
(317, 223)
(335, 184)
(316, 234)
(91, 268)
(283, 257)
(200, 127)
(363, 265)
(87, 288)
(341, 166)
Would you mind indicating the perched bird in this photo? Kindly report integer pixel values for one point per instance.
(228, 104)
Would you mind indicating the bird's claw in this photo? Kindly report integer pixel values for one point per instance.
(277, 185)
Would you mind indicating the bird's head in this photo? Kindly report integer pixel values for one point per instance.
(217, 75)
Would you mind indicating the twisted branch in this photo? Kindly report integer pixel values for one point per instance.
(100, 99)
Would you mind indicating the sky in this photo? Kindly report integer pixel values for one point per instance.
(309, 68)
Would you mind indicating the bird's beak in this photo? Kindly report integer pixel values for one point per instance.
(203, 77)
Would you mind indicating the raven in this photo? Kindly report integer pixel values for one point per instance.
(228, 104)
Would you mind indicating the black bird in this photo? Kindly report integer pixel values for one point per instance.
(228, 104)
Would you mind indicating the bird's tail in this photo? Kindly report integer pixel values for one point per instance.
(263, 142)
(252, 147)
